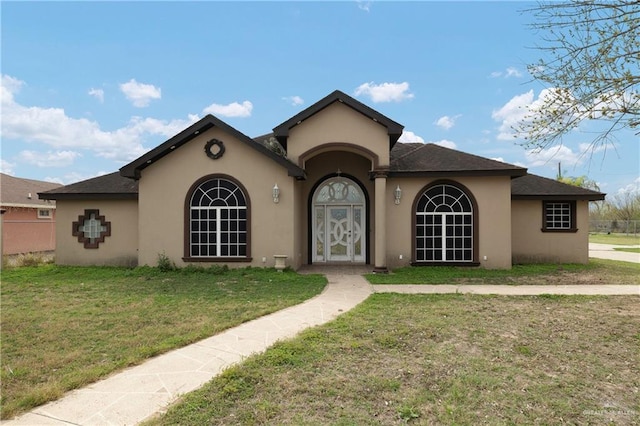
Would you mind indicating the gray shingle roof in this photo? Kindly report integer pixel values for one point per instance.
(419, 159)
(111, 186)
(15, 191)
(538, 187)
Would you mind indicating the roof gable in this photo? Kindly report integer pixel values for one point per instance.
(394, 129)
(538, 187)
(133, 169)
(419, 159)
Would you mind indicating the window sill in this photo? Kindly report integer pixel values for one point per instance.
(569, 230)
(217, 259)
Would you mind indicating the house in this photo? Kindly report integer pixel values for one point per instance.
(28, 223)
(332, 184)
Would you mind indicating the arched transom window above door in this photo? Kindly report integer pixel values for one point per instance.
(339, 221)
(339, 190)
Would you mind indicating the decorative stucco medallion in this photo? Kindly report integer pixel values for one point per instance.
(214, 153)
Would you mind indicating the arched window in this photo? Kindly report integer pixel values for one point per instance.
(218, 220)
(444, 225)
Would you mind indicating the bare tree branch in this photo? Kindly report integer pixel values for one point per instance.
(591, 69)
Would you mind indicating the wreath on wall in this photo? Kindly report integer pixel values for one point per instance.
(214, 153)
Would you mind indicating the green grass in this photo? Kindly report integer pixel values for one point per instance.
(65, 327)
(439, 359)
(630, 250)
(597, 271)
(615, 239)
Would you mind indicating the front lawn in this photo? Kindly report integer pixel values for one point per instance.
(440, 360)
(597, 271)
(65, 327)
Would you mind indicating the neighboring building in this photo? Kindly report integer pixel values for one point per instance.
(330, 185)
(28, 222)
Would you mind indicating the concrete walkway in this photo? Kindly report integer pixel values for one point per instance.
(511, 290)
(606, 251)
(135, 394)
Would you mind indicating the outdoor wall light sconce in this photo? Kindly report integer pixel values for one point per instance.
(397, 194)
(276, 193)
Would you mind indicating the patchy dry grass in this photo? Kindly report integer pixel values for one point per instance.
(440, 359)
(597, 271)
(65, 327)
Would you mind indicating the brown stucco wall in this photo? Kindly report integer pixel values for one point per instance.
(493, 197)
(164, 186)
(24, 232)
(338, 124)
(119, 249)
(531, 245)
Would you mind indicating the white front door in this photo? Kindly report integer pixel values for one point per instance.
(344, 239)
(339, 226)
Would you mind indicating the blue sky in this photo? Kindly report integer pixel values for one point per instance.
(88, 87)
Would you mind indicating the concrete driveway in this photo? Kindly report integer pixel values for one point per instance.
(606, 251)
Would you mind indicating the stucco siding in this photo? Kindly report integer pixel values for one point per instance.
(164, 186)
(120, 249)
(493, 197)
(338, 124)
(531, 245)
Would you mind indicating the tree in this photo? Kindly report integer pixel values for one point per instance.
(592, 71)
(581, 181)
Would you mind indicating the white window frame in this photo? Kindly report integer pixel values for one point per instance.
(47, 215)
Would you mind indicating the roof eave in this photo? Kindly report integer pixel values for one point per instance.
(577, 197)
(88, 196)
(451, 173)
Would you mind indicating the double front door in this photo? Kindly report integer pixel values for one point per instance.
(339, 233)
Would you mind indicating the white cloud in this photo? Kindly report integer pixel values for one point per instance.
(8, 87)
(233, 109)
(551, 156)
(410, 137)
(6, 167)
(140, 94)
(294, 100)
(512, 72)
(631, 189)
(364, 5)
(512, 113)
(73, 177)
(53, 127)
(49, 159)
(446, 143)
(509, 72)
(447, 122)
(385, 92)
(500, 159)
(97, 93)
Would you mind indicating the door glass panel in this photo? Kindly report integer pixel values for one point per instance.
(320, 234)
(338, 227)
(357, 233)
